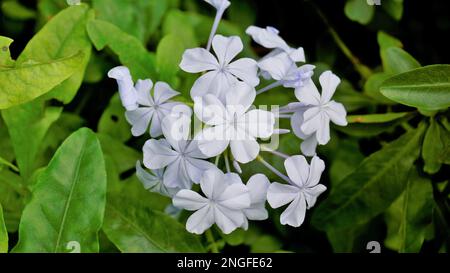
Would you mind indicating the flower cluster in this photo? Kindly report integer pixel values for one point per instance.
(232, 128)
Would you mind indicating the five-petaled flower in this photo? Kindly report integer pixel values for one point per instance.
(222, 73)
(232, 124)
(153, 181)
(302, 191)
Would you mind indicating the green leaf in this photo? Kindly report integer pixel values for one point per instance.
(129, 49)
(359, 11)
(435, 147)
(27, 125)
(427, 87)
(372, 187)
(13, 195)
(168, 57)
(352, 99)
(8, 164)
(376, 118)
(134, 227)
(396, 60)
(15, 10)
(5, 55)
(394, 8)
(28, 81)
(385, 41)
(266, 244)
(409, 218)
(68, 200)
(3, 233)
(113, 122)
(372, 87)
(64, 35)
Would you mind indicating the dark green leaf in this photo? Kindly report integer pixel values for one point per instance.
(372, 187)
(427, 87)
(68, 199)
(113, 122)
(3, 233)
(372, 87)
(434, 148)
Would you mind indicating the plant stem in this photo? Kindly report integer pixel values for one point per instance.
(277, 153)
(271, 168)
(210, 238)
(362, 69)
(267, 88)
(227, 161)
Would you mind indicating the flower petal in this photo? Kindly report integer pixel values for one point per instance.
(158, 154)
(239, 98)
(315, 171)
(267, 37)
(215, 83)
(163, 92)
(297, 122)
(309, 145)
(176, 175)
(196, 167)
(232, 178)
(228, 219)
(245, 69)
(311, 194)
(212, 140)
(198, 60)
(311, 120)
(336, 112)
(258, 185)
(259, 123)
(143, 88)
(329, 83)
(189, 200)
(244, 151)
(281, 194)
(257, 212)
(235, 196)
(210, 110)
(297, 169)
(200, 220)
(294, 215)
(297, 55)
(155, 127)
(308, 93)
(323, 131)
(212, 183)
(139, 119)
(226, 48)
(128, 94)
(277, 66)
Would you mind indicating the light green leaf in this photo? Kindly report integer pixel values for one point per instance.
(13, 195)
(168, 57)
(113, 122)
(15, 10)
(29, 81)
(372, 187)
(68, 200)
(376, 118)
(409, 218)
(396, 60)
(8, 164)
(359, 11)
(394, 8)
(3, 233)
(372, 87)
(427, 87)
(385, 41)
(435, 147)
(129, 49)
(27, 126)
(5, 55)
(64, 35)
(134, 227)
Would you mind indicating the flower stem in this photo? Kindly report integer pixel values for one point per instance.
(271, 168)
(267, 88)
(210, 238)
(216, 161)
(227, 161)
(215, 25)
(277, 153)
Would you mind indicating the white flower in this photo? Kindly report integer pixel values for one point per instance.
(281, 68)
(268, 37)
(219, 4)
(223, 203)
(232, 124)
(320, 108)
(301, 193)
(257, 186)
(184, 161)
(309, 143)
(154, 181)
(127, 92)
(222, 73)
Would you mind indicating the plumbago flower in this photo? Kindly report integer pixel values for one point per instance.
(222, 73)
(232, 124)
(144, 109)
(183, 160)
(223, 96)
(227, 202)
(302, 191)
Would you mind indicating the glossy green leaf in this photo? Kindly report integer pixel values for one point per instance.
(168, 57)
(113, 121)
(372, 187)
(385, 41)
(64, 35)
(134, 227)
(396, 60)
(29, 81)
(435, 147)
(129, 49)
(359, 11)
(68, 199)
(15, 10)
(427, 87)
(372, 87)
(3, 233)
(5, 54)
(410, 217)
(27, 125)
